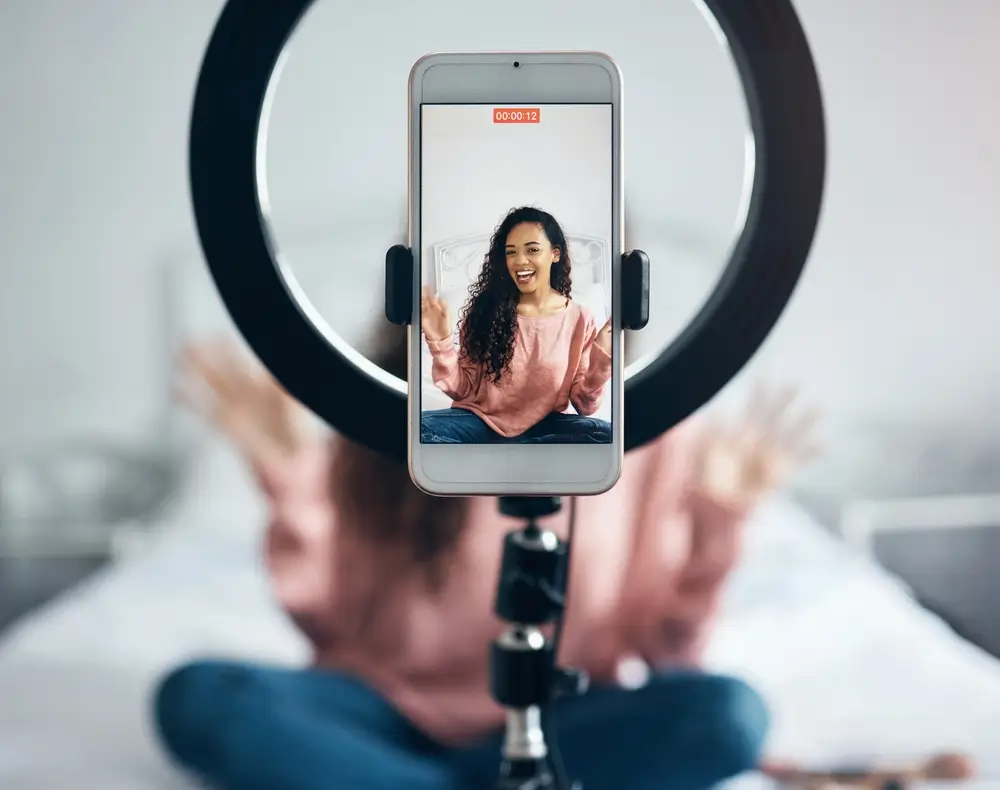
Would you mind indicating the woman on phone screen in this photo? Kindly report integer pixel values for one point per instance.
(394, 591)
(527, 351)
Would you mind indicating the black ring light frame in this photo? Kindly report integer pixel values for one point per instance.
(787, 121)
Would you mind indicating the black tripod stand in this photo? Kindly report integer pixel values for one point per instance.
(531, 591)
(524, 677)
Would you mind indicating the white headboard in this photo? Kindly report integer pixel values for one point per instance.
(458, 261)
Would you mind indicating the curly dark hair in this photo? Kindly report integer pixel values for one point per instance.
(489, 318)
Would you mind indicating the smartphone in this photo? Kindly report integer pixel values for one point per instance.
(515, 222)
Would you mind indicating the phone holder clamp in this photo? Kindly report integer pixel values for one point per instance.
(399, 277)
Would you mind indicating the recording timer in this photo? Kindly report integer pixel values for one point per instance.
(516, 115)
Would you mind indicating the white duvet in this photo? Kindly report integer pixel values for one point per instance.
(851, 665)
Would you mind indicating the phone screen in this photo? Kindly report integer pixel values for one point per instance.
(516, 235)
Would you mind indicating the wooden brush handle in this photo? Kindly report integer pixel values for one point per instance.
(947, 768)
(943, 767)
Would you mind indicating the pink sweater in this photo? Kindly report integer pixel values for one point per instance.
(649, 560)
(555, 363)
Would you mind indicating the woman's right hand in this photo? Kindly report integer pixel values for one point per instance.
(435, 320)
(240, 398)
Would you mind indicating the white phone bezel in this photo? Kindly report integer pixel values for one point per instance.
(511, 469)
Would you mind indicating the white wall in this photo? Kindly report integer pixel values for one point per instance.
(474, 171)
(892, 328)
(92, 162)
(894, 321)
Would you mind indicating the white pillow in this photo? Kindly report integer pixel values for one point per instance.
(593, 298)
(431, 396)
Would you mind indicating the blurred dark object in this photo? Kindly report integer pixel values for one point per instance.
(68, 510)
(74, 496)
(27, 583)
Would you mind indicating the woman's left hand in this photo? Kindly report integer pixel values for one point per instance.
(737, 463)
(603, 339)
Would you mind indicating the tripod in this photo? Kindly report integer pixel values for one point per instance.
(531, 591)
(524, 677)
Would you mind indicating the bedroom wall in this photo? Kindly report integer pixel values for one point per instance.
(891, 329)
(470, 182)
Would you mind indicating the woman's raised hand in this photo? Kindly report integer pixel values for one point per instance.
(759, 452)
(435, 319)
(242, 400)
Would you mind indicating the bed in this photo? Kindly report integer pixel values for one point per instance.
(851, 665)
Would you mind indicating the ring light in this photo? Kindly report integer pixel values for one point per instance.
(786, 120)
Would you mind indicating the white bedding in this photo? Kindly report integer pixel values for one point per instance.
(850, 664)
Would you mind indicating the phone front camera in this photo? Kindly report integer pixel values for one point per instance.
(517, 64)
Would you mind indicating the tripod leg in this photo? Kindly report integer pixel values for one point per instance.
(525, 775)
(523, 676)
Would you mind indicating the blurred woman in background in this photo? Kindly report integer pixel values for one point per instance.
(394, 589)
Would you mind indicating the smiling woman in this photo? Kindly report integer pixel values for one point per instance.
(527, 351)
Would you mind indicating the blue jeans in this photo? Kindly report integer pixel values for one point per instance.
(461, 426)
(244, 727)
